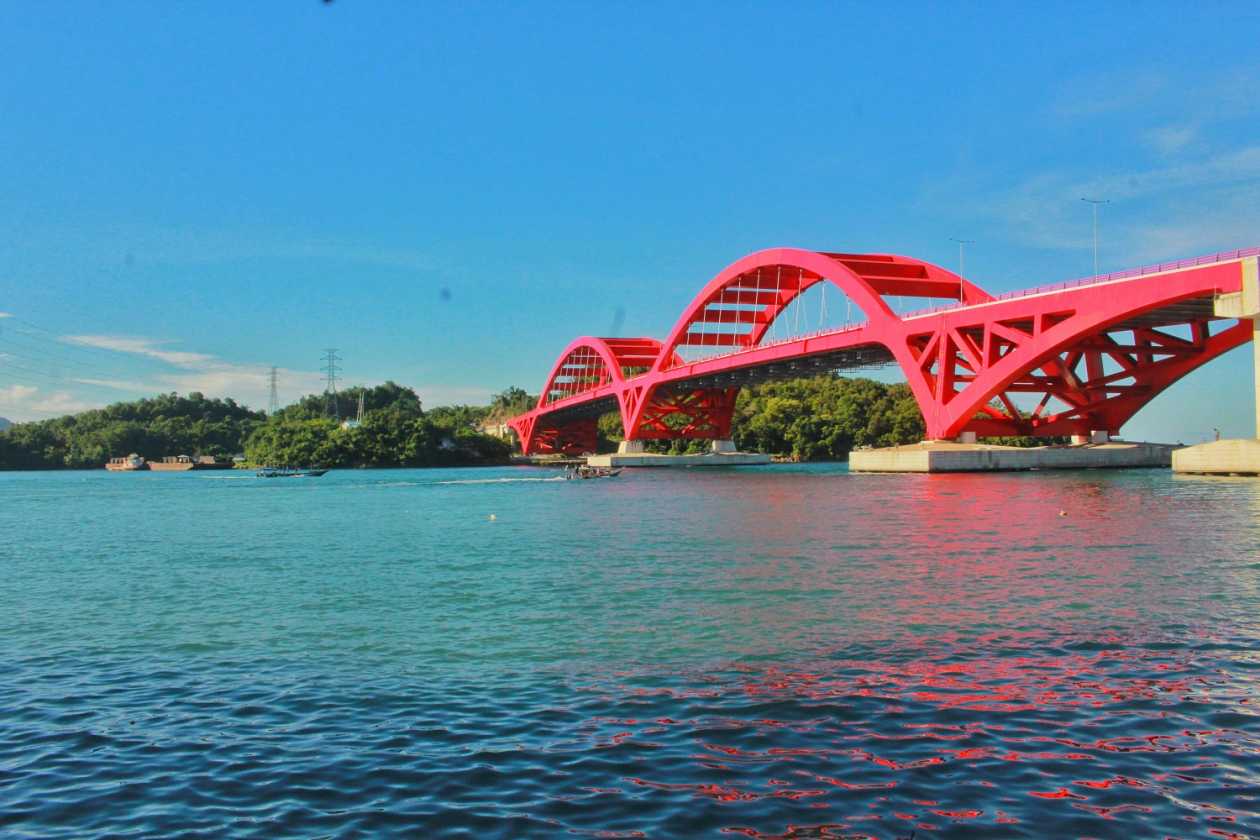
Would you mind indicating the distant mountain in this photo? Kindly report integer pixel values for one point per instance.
(5, 423)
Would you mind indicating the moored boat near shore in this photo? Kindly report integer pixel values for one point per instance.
(181, 463)
(131, 463)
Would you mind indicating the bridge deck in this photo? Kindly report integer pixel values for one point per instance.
(1098, 349)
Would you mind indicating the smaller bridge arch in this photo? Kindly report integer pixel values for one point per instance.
(586, 364)
(590, 371)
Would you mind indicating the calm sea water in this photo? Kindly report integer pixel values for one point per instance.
(778, 652)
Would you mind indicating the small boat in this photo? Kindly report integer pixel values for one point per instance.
(131, 463)
(289, 472)
(183, 463)
(593, 472)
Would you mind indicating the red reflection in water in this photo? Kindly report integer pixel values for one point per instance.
(982, 638)
(880, 557)
(1030, 706)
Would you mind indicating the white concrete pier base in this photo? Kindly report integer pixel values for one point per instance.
(935, 456)
(1242, 456)
(722, 454)
(1222, 457)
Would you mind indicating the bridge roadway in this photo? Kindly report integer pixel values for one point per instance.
(1077, 358)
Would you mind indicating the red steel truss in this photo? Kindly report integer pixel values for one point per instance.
(1090, 353)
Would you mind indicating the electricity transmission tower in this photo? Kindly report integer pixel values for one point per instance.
(273, 400)
(331, 369)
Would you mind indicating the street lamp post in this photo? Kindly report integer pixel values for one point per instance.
(1094, 202)
(961, 243)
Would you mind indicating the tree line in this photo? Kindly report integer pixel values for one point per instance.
(810, 418)
(395, 431)
(815, 418)
(163, 425)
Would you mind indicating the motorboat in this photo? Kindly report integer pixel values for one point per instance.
(585, 472)
(289, 472)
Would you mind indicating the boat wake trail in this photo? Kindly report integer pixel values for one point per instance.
(501, 480)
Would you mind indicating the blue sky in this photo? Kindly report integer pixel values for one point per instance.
(449, 192)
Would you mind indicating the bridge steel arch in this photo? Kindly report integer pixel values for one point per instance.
(588, 364)
(760, 277)
(1059, 344)
(1101, 349)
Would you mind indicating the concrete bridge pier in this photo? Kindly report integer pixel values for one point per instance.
(722, 453)
(1241, 456)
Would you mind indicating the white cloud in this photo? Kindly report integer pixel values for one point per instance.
(1183, 208)
(1170, 139)
(6, 314)
(122, 385)
(247, 384)
(435, 395)
(64, 402)
(139, 346)
(1105, 93)
(15, 393)
(1158, 93)
(26, 402)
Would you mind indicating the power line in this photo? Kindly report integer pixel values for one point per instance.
(330, 368)
(62, 342)
(32, 353)
(273, 401)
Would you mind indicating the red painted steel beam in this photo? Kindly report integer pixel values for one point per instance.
(960, 362)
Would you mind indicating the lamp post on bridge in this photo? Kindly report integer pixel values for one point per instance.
(961, 243)
(1094, 202)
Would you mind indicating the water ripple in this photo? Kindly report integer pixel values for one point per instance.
(1123, 741)
(776, 653)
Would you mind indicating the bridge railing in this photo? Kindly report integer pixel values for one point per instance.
(775, 343)
(1155, 268)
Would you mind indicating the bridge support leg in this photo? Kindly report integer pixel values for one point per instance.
(1255, 349)
(630, 447)
(1241, 456)
(722, 446)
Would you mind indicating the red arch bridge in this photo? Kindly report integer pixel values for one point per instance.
(1076, 358)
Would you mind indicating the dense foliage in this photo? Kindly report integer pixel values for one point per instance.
(815, 418)
(810, 418)
(395, 432)
(164, 425)
(825, 417)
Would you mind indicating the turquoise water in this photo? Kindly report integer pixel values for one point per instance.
(782, 651)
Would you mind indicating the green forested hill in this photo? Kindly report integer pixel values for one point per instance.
(815, 418)
(825, 417)
(396, 431)
(164, 425)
